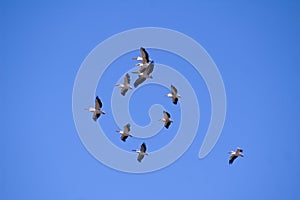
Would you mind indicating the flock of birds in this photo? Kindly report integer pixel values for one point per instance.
(146, 67)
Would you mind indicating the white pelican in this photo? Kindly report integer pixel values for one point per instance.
(174, 95)
(141, 152)
(97, 110)
(144, 74)
(125, 133)
(125, 86)
(145, 56)
(235, 154)
(167, 119)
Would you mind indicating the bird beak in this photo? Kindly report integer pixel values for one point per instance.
(86, 109)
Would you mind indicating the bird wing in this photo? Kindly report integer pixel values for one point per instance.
(96, 115)
(167, 124)
(239, 150)
(166, 115)
(124, 137)
(150, 68)
(139, 81)
(127, 128)
(145, 55)
(174, 100)
(143, 147)
(140, 157)
(98, 103)
(173, 90)
(127, 79)
(123, 91)
(232, 158)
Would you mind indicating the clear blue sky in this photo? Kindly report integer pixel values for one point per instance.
(256, 48)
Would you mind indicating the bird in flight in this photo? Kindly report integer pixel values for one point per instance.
(125, 85)
(174, 94)
(141, 152)
(166, 119)
(125, 133)
(235, 154)
(97, 109)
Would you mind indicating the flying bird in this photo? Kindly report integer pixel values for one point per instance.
(125, 133)
(166, 119)
(141, 152)
(125, 86)
(144, 74)
(145, 56)
(235, 154)
(97, 109)
(174, 95)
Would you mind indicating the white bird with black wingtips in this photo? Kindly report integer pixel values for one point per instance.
(141, 152)
(125, 85)
(97, 109)
(125, 133)
(166, 119)
(174, 95)
(235, 154)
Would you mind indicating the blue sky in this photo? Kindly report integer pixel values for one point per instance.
(255, 46)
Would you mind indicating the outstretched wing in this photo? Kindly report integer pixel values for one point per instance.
(98, 103)
(96, 115)
(239, 150)
(123, 91)
(167, 124)
(124, 137)
(145, 55)
(140, 157)
(174, 100)
(139, 81)
(143, 148)
(150, 68)
(232, 158)
(127, 128)
(127, 79)
(173, 90)
(166, 115)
